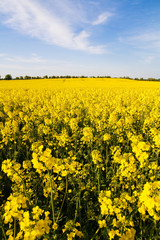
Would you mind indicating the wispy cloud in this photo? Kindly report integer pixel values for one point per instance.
(34, 58)
(149, 59)
(2, 55)
(36, 20)
(103, 17)
(145, 40)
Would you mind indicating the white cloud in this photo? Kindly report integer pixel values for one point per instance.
(34, 58)
(146, 37)
(145, 40)
(2, 55)
(34, 19)
(82, 41)
(103, 17)
(149, 59)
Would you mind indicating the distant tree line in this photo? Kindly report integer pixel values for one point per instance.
(9, 77)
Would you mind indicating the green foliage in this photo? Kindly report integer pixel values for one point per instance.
(8, 77)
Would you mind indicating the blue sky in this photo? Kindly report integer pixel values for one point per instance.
(80, 37)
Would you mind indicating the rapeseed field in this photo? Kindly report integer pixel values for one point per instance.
(80, 159)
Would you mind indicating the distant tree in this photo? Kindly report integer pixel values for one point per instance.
(27, 77)
(17, 78)
(21, 77)
(8, 77)
(46, 76)
(83, 76)
(126, 77)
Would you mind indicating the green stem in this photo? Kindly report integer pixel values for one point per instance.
(98, 180)
(63, 199)
(14, 228)
(95, 234)
(76, 211)
(141, 228)
(4, 234)
(24, 185)
(107, 158)
(77, 204)
(52, 205)
(155, 223)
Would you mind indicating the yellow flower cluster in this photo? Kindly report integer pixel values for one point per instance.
(80, 162)
(149, 199)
